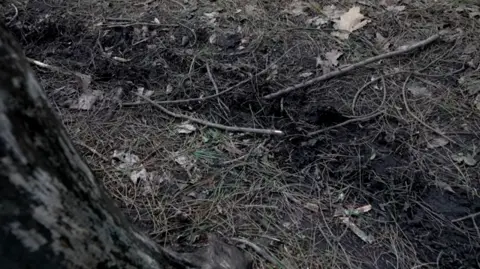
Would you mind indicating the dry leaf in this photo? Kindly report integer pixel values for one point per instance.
(332, 57)
(305, 74)
(467, 159)
(211, 15)
(126, 159)
(364, 209)
(169, 89)
(317, 21)
(86, 100)
(297, 8)
(332, 12)
(135, 176)
(437, 142)
(396, 8)
(357, 231)
(250, 9)
(312, 207)
(476, 102)
(350, 21)
(417, 90)
(444, 186)
(212, 39)
(185, 128)
(85, 80)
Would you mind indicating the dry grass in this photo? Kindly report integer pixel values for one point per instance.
(279, 194)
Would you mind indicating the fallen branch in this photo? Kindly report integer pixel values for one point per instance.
(472, 216)
(260, 251)
(200, 99)
(363, 118)
(84, 79)
(374, 114)
(351, 67)
(211, 124)
(410, 112)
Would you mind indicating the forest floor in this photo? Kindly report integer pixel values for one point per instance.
(376, 166)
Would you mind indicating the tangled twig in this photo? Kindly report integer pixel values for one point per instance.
(407, 107)
(229, 89)
(352, 67)
(211, 124)
(374, 114)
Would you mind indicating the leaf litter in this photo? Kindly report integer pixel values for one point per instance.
(349, 22)
(87, 100)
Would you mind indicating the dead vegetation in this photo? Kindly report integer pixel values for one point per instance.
(377, 165)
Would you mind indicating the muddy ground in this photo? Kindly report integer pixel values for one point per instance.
(399, 135)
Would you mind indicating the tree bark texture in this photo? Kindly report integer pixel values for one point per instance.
(53, 213)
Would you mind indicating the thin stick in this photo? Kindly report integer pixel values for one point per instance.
(353, 67)
(363, 118)
(92, 150)
(374, 114)
(467, 217)
(214, 83)
(200, 99)
(405, 103)
(260, 251)
(85, 79)
(211, 124)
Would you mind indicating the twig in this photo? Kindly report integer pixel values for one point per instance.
(211, 124)
(14, 16)
(405, 103)
(85, 79)
(467, 217)
(201, 99)
(92, 150)
(354, 102)
(363, 118)
(260, 251)
(352, 67)
(374, 114)
(214, 83)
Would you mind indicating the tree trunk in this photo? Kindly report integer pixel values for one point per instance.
(53, 212)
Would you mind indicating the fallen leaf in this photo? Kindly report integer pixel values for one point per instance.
(85, 80)
(444, 186)
(419, 91)
(212, 39)
(297, 8)
(169, 89)
(332, 12)
(312, 207)
(135, 176)
(332, 57)
(396, 8)
(437, 142)
(126, 159)
(317, 21)
(468, 159)
(364, 209)
(185, 128)
(305, 74)
(357, 231)
(141, 91)
(86, 100)
(120, 59)
(211, 15)
(250, 9)
(350, 21)
(476, 102)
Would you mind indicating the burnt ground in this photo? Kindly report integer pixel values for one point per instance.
(414, 162)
